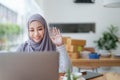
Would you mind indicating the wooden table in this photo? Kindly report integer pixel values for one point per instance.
(112, 61)
(100, 78)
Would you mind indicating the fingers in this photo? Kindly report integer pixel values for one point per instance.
(57, 37)
(56, 31)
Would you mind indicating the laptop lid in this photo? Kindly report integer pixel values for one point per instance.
(29, 66)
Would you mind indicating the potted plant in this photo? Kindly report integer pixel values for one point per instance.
(73, 76)
(108, 41)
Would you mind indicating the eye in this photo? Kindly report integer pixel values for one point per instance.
(40, 29)
(31, 30)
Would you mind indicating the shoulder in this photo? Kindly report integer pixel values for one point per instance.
(22, 47)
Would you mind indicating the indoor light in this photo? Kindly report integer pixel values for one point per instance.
(111, 3)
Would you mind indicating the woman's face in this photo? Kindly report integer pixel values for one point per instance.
(36, 31)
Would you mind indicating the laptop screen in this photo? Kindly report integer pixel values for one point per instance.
(29, 66)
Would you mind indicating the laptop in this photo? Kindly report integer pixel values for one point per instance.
(29, 66)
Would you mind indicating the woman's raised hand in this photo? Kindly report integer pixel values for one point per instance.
(56, 36)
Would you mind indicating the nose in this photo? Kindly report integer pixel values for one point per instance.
(36, 33)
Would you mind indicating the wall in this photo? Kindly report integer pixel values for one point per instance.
(66, 11)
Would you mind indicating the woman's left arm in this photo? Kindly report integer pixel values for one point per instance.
(65, 62)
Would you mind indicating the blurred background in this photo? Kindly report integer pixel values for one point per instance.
(78, 20)
(13, 20)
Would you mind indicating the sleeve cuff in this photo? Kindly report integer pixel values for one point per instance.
(60, 47)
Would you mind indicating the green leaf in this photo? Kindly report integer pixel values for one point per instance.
(109, 39)
(68, 74)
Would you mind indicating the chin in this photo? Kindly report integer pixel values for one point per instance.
(37, 41)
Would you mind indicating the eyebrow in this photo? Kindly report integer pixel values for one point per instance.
(37, 27)
(40, 26)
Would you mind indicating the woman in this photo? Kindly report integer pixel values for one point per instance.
(39, 40)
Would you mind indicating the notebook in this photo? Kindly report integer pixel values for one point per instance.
(89, 75)
(29, 66)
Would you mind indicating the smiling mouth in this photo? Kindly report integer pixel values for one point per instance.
(37, 38)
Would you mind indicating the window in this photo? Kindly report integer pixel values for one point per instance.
(74, 27)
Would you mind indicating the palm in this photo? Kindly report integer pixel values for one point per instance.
(56, 37)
